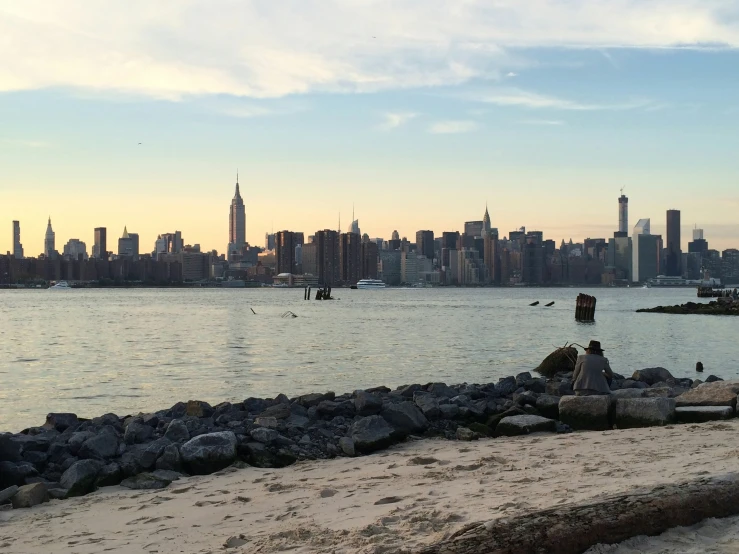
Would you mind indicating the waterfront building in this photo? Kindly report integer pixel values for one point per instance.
(620, 256)
(532, 258)
(471, 270)
(623, 214)
(128, 245)
(75, 249)
(350, 257)
(425, 244)
(390, 267)
(100, 248)
(17, 246)
(310, 259)
(673, 253)
(491, 257)
(49, 241)
(237, 225)
(370, 259)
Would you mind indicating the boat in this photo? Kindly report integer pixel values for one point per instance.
(61, 285)
(370, 284)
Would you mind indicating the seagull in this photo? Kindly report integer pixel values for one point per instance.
(139, 143)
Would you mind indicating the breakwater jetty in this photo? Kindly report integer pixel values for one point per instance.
(722, 306)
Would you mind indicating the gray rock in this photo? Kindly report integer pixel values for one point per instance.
(428, 404)
(548, 406)
(308, 400)
(701, 414)
(15, 473)
(268, 422)
(61, 421)
(58, 493)
(37, 443)
(464, 434)
(151, 453)
(538, 386)
(137, 433)
(208, 453)
(101, 446)
(10, 451)
(628, 393)
(347, 446)
(440, 390)
(713, 379)
(297, 422)
(512, 426)
(177, 431)
(167, 475)
(716, 393)
(170, 459)
(652, 375)
(663, 392)
(644, 412)
(409, 390)
(145, 481)
(34, 457)
(697, 383)
(255, 405)
(448, 411)
(506, 386)
(7, 494)
(264, 435)
(76, 441)
(593, 413)
(631, 384)
(405, 418)
(109, 476)
(371, 433)
(260, 455)
(330, 409)
(79, 479)
(367, 403)
(278, 411)
(30, 495)
(559, 388)
(198, 408)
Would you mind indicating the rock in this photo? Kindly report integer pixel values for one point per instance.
(109, 476)
(538, 386)
(717, 393)
(525, 398)
(372, 433)
(255, 405)
(198, 408)
(101, 446)
(34, 457)
(448, 411)
(405, 418)
(145, 481)
(278, 411)
(61, 421)
(652, 375)
(662, 392)
(137, 433)
(10, 451)
(37, 443)
(464, 434)
(30, 495)
(15, 473)
(644, 412)
(151, 453)
(170, 459)
(209, 453)
(441, 390)
(330, 409)
(308, 400)
(408, 390)
(296, 422)
(428, 404)
(177, 431)
(264, 435)
(559, 388)
(58, 493)
(524, 424)
(76, 441)
(480, 429)
(700, 414)
(367, 403)
(79, 479)
(713, 379)
(130, 461)
(167, 475)
(697, 383)
(593, 413)
(628, 393)
(268, 422)
(260, 455)
(7, 494)
(347, 446)
(548, 406)
(631, 384)
(506, 386)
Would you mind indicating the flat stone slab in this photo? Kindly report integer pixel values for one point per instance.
(587, 413)
(719, 393)
(644, 412)
(628, 393)
(700, 414)
(513, 426)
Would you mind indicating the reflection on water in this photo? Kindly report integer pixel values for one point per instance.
(124, 351)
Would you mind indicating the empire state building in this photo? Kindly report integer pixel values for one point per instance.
(237, 225)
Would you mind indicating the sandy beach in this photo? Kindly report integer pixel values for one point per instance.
(394, 501)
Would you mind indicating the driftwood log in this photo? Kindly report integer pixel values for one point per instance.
(575, 528)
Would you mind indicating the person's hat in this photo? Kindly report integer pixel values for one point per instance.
(594, 346)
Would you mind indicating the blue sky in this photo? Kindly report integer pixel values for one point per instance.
(416, 112)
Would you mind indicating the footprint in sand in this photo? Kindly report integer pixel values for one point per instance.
(421, 461)
(235, 542)
(389, 500)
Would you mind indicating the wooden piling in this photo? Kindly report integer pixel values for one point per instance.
(585, 307)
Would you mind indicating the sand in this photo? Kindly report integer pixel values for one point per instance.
(393, 501)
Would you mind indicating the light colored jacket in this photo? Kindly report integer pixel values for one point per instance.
(590, 373)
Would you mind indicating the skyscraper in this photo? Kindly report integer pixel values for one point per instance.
(350, 257)
(425, 244)
(17, 246)
(237, 223)
(486, 227)
(128, 245)
(645, 249)
(623, 214)
(285, 251)
(49, 241)
(328, 264)
(100, 249)
(473, 228)
(673, 254)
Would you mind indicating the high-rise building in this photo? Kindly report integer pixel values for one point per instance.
(470, 268)
(74, 249)
(699, 244)
(100, 249)
(17, 246)
(350, 257)
(49, 241)
(486, 227)
(425, 244)
(285, 251)
(646, 251)
(532, 258)
(491, 257)
(673, 254)
(390, 266)
(623, 214)
(370, 259)
(128, 245)
(473, 228)
(237, 224)
(329, 263)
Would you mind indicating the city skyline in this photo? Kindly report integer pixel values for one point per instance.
(416, 113)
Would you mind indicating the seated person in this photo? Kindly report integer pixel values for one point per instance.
(592, 372)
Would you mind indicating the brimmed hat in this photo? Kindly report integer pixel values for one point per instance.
(594, 346)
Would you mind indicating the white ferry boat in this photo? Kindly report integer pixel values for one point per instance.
(370, 284)
(61, 285)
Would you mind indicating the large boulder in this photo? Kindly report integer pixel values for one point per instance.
(652, 375)
(309, 400)
(170, 459)
(10, 450)
(61, 422)
(441, 390)
(405, 418)
(592, 413)
(198, 408)
(330, 409)
(210, 452)
(524, 424)
(146, 481)
(7, 494)
(628, 393)
(79, 479)
(506, 386)
(428, 404)
(701, 414)
(137, 432)
(101, 446)
(261, 455)
(30, 495)
(278, 411)
(372, 433)
(559, 388)
(367, 403)
(548, 406)
(109, 476)
(717, 393)
(177, 431)
(15, 473)
(151, 453)
(644, 412)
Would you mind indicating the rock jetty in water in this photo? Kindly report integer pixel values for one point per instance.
(724, 306)
(71, 456)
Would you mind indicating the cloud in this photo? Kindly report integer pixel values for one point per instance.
(526, 99)
(542, 122)
(393, 120)
(452, 127)
(26, 143)
(511, 74)
(263, 49)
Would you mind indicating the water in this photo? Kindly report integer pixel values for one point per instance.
(125, 351)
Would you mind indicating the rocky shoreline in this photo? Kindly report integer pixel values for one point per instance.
(723, 306)
(71, 456)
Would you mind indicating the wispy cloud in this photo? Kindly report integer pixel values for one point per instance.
(26, 143)
(526, 99)
(511, 74)
(452, 127)
(393, 120)
(552, 122)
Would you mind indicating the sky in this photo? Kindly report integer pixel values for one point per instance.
(414, 113)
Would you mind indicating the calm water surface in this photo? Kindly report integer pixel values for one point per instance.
(125, 351)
